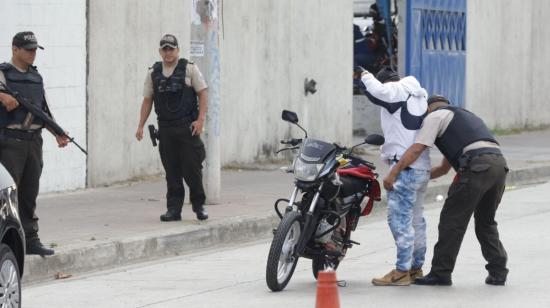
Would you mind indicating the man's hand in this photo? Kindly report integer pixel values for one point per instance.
(409, 157)
(139, 133)
(8, 101)
(197, 127)
(62, 141)
(389, 180)
(440, 170)
(358, 72)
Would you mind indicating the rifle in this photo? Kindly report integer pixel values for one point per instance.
(41, 114)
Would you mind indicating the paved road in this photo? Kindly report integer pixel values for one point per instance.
(234, 276)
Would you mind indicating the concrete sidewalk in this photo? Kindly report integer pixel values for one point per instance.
(102, 228)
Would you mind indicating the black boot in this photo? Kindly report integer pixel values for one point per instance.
(36, 248)
(492, 280)
(200, 212)
(170, 216)
(432, 280)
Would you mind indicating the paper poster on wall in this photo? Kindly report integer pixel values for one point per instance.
(204, 11)
(197, 49)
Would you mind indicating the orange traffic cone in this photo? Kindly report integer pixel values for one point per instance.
(327, 290)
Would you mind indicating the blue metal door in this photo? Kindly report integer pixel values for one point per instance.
(436, 46)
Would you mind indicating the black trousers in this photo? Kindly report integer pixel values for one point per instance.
(477, 191)
(23, 160)
(182, 155)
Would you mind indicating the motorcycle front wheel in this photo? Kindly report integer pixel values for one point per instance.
(320, 263)
(282, 260)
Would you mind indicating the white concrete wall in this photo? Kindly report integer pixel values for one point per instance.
(123, 42)
(60, 26)
(507, 63)
(269, 48)
(366, 116)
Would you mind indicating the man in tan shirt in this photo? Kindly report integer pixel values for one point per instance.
(473, 152)
(177, 90)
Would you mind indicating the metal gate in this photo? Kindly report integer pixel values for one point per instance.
(436, 46)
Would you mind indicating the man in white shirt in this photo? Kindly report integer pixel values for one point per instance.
(404, 105)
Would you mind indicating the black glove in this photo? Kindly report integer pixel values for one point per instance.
(358, 71)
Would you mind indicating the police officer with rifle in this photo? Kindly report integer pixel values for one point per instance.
(23, 114)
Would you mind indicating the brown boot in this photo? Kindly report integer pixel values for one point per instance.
(393, 278)
(416, 273)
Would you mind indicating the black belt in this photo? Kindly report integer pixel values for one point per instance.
(21, 134)
(465, 159)
(395, 160)
(185, 121)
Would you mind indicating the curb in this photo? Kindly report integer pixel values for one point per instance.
(146, 248)
(149, 247)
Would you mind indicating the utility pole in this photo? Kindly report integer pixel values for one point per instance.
(205, 53)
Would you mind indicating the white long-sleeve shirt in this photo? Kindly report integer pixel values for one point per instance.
(404, 106)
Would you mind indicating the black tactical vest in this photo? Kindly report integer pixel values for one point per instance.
(30, 86)
(173, 99)
(465, 128)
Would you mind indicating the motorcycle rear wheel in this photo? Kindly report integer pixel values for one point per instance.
(282, 261)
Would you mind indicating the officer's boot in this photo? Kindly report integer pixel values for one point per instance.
(35, 247)
(172, 214)
(200, 212)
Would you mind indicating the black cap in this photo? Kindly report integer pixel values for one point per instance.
(387, 74)
(437, 98)
(168, 40)
(25, 40)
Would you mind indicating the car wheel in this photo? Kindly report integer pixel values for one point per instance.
(10, 280)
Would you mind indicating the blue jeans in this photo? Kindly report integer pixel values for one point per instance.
(406, 218)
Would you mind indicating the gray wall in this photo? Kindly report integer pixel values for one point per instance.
(269, 48)
(123, 43)
(366, 116)
(507, 62)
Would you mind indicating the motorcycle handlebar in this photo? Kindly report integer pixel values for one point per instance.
(293, 141)
(286, 149)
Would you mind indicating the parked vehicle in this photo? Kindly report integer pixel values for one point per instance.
(333, 189)
(375, 43)
(12, 245)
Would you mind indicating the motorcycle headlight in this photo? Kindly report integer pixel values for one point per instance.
(306, 171)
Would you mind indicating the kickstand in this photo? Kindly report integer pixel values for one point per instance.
(342, 283)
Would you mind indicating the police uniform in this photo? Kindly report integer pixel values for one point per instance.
(21, 144)
(174, 93)
(475, 154)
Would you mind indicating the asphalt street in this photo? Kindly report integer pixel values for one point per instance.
(234, 276)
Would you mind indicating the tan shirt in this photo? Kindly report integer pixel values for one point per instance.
(193, 78)
(436, 123)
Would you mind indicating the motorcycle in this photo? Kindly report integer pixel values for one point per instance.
(333, 189)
